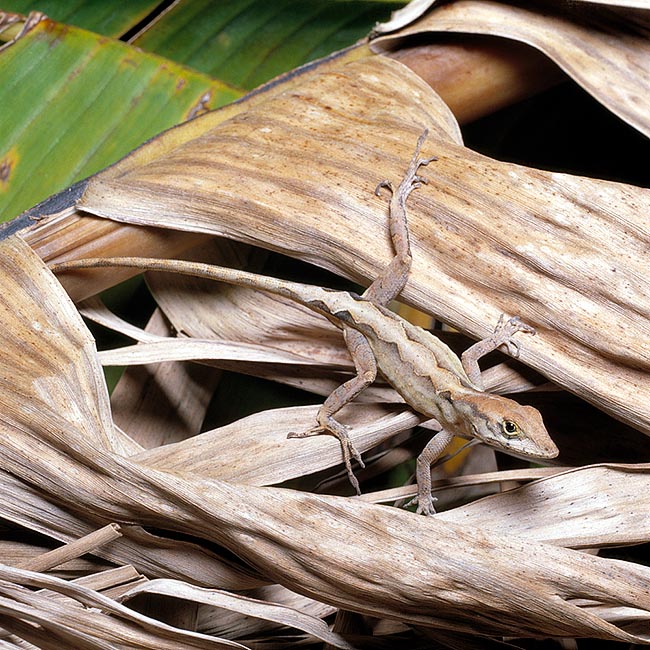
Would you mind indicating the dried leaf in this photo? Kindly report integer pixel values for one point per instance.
(94, 309)
(243, 605)
(179, 349)
(50, 354)
(112, 580)
(156, 348)
(105, 622)
(608, 58)
(365, 558)
(233, 625)
(587, 507)
(255, 449)
(165, 402)
(487, 237)
(404, 16)
(203, 310)
(153, 555)
(416, 8)
(483, 478)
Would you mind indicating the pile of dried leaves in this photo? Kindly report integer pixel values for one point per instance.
(179, 537)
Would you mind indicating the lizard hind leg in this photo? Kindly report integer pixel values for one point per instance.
(366, 369)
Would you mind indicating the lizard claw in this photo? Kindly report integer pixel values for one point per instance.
(384, 184)
(339, 431)
(422, 162)
(504, 331)
(314, 431)
(424, 504)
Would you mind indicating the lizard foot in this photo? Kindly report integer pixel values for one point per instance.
(339, 431)
(411, 181)
(424, 503)
(505, 330)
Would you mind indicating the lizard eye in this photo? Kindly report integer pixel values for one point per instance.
(510, 429)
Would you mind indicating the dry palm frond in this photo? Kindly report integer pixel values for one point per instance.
(487, 237)
(609, 56)
(347, 553)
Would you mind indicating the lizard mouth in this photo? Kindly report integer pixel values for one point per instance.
(486, 440)
(520, 453)
(523, 455)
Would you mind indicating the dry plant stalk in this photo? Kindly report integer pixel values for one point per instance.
(81, 546)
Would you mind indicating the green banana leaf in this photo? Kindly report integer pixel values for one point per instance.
(109, 17)
(248, 42)
(75, 101)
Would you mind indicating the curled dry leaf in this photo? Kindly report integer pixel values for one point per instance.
(255, 450)
(358, 556)
(243, 605)
(587, 507)
(295, 173)
(404, 16)
(163, 402)
(416, 8)
(609, 58)
(105, 623)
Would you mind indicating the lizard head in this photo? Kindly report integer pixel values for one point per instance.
(503, 423)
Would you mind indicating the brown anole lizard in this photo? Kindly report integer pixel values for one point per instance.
(419, 366)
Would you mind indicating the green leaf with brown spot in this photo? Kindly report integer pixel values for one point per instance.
(74, 102)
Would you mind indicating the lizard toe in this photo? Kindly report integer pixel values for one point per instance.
(424, 505)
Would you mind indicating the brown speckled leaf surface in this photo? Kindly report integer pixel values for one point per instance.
(296, 172)
(358, 556)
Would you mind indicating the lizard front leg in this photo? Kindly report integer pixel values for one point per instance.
(434, 449)
(366, 369)
(502, 335)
